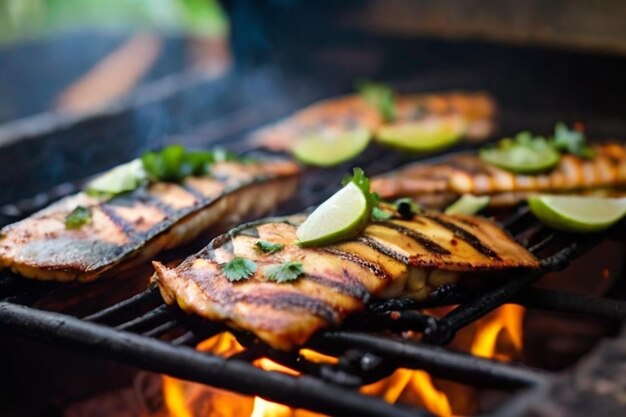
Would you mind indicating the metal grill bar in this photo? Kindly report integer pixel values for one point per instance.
(123, 306)
(153, 316)
(440, 362)
(566, 302)
(539, 298)
(189, 364)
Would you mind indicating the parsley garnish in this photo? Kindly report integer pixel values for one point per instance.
(285, 272)
(378, 95)
(239, 269)
(268, 247)
(79, 217)
(571, 141)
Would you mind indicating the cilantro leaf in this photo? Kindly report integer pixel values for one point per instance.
(239, 269)
(285, 272)
(268, 247)
(79, 217)
(166, 164)
(173, 163)
(380, 214)
(571, 141)
(378, 95)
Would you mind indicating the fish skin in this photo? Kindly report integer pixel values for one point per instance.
(338, 279)
(133, 227)
(351, 111)
(438, 184)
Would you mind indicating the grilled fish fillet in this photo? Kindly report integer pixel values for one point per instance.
(437, 184)
(345, 113)
(389, 259)
(134, 227)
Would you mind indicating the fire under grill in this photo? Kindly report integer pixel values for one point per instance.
(143, 332)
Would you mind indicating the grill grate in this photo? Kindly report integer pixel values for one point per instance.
(145, 333)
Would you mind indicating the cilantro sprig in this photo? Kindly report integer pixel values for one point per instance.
(78, 217)
(268, 247)
(379, 214)
(170, 164)
(238, 269)
(285, 272)
(378, 95)
(173, 163)
(571, 141)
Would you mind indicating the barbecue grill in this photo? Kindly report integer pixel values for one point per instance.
(143, 332)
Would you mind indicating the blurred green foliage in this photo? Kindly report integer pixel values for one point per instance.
(28, 19)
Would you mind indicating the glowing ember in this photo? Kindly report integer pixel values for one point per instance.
(497, 335)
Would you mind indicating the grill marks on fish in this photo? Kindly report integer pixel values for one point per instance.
(349, 286)
(466, 236)
(126, 227)
(356, 259)
(467, 174)
(379, 247)
(338, 279)
(139, 224)
(420, 238)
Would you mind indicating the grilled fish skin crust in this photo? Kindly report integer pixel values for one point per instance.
(477, 110)
(388, 259)
(133, 227)
(438, 184)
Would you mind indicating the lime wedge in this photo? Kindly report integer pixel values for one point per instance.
(577, 214)
(125, 177)
(331, 148)
(426, 135)
(468, 204)
(340, 217)
(521, 159)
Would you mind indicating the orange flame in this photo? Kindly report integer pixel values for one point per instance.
(407, 382)
(506, 320)
(497, 335)
(175, 398)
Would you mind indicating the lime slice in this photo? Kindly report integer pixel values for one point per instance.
(331, 148)
(426, 135)
(577, 214)
(521, 159)
(340, 217)
(125, 177)
(468, 204)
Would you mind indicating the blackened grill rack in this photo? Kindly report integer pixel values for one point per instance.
(143, 332)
